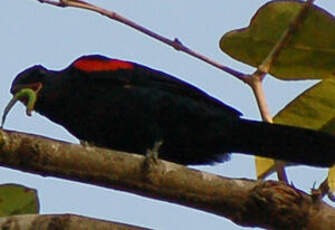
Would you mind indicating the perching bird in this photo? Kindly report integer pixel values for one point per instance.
(126, 106)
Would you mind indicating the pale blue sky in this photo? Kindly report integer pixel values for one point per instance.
(32, 33)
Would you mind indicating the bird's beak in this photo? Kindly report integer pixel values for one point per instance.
(27, 93)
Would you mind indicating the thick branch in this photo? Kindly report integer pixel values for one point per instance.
(67, 221)
(271, 205)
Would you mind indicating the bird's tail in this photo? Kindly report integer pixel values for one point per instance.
(292, 144)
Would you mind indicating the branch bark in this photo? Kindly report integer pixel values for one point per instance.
(272, 205)
(66, 221)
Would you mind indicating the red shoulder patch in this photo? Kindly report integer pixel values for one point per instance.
(93, 65)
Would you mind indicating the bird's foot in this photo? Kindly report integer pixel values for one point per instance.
(151, 157)
(86, 143)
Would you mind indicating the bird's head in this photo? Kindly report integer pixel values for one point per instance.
(26, 87)
(31, 78)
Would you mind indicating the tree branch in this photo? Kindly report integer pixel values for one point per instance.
(269, 204)
(66, 221)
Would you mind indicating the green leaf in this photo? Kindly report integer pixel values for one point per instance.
(17, 199)
(310, 54)
(314, 108)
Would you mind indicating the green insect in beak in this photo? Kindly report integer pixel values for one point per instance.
(27, 95)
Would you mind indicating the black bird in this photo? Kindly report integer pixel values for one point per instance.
(126, 106)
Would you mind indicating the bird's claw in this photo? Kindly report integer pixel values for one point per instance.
(152, 154)
(85, 143)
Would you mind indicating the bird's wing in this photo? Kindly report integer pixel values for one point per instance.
(169, 83)
(130, 74)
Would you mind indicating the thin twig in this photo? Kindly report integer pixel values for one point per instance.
(176, 43)
(259, 74)
(255, 82)
(272, 56)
